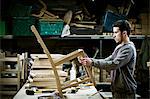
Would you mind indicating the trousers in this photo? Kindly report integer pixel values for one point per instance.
(118, 95)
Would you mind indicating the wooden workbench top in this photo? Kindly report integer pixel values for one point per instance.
(83, 93)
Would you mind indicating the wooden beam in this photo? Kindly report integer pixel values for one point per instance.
(69, 57)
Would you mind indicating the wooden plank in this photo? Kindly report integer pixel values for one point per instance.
(45, 67)
(82, 25)
(18, 73)
(8, 92)
(24, 66)
(10, 71)
(54, 56)
(44, 84)
(10, 59)
(50, 79)
(34, 56)
(48, 73)
(8, 81)
(43, 62)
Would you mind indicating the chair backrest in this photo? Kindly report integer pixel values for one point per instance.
(75, 54)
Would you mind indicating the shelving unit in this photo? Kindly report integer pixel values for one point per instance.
(10, 74)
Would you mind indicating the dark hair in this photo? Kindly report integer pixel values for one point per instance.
(123, 25)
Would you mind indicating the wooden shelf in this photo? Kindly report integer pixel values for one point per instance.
(75, 36)
(9, 71)
(10, 59)
(9, 81)
(10, 77)
(8, 92)
(104, 36)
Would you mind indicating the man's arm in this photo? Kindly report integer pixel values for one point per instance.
(108, 58)
(123, 57)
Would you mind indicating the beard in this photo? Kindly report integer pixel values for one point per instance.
(118, 41)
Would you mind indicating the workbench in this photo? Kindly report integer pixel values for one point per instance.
(21, 94)
(88, 92)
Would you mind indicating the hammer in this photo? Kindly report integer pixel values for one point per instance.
(32, 92)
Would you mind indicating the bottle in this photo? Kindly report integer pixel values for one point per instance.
(73, 71)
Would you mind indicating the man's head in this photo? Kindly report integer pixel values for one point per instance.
(121, 29)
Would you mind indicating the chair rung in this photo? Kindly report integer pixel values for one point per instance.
(76, 83)
(75, 80)
(69, 56)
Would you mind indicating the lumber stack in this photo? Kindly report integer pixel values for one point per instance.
(42, 73)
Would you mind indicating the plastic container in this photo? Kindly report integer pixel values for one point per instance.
(109, 18)
(50, 27)
(21, 26)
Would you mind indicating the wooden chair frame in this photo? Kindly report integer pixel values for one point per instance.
(66, 58)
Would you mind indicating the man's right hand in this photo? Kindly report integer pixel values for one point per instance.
(86, 61)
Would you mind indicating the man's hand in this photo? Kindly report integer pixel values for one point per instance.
(86, 61)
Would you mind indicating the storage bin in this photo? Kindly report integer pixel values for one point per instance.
(109, 18)
(21, 26)
(52, 27)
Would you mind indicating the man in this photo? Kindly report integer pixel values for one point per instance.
(121, 63)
